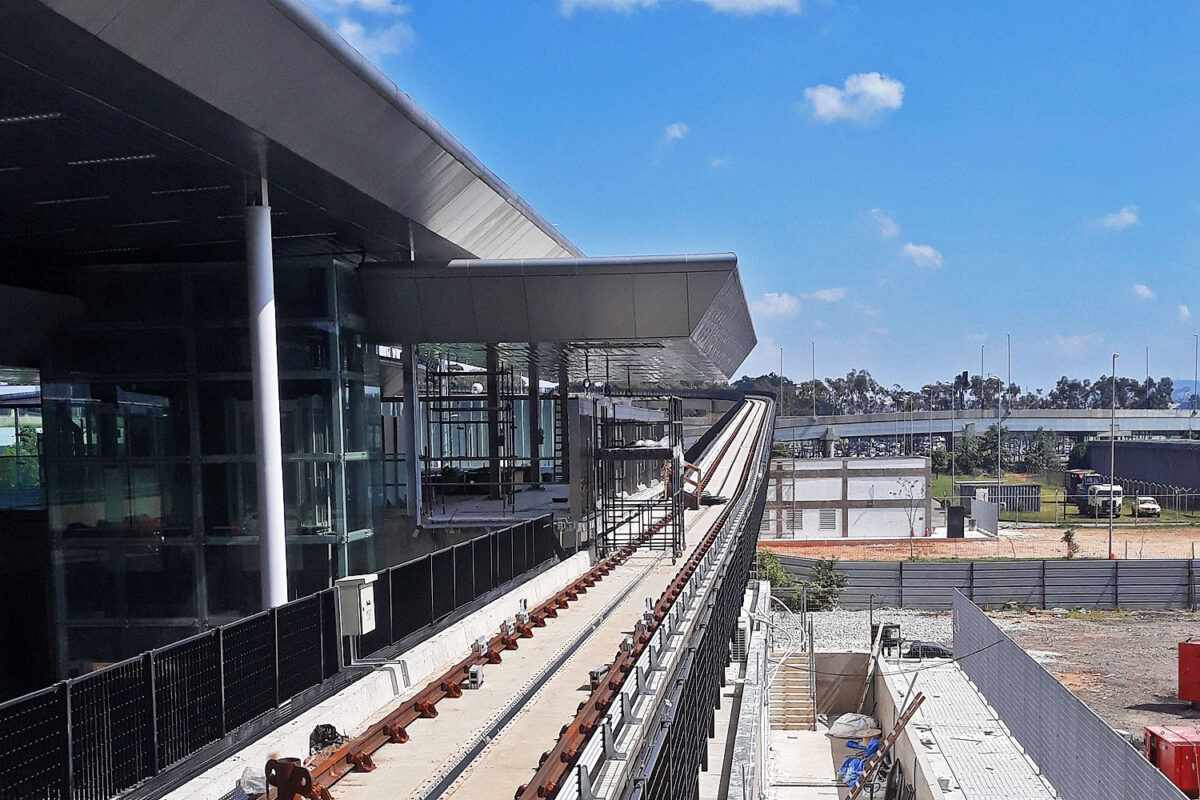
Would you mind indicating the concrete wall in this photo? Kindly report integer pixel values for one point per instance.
(911, 759)
(1084, 583)
(840, 678)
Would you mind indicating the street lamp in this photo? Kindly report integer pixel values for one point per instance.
(1112, 452)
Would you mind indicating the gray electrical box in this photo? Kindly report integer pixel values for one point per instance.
(356, 597)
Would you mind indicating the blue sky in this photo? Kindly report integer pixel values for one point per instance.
(901, 182)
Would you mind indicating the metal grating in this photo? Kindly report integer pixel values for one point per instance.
(31, 737)
(249, 668)
(187, 696)
(111, 736)
(301, 633)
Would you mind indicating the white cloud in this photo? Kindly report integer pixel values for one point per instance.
(568, 7)
(825, 295)
(1184, 312)
(376, 42)
(1075, 344)
(392, 7)
(746, 8)
(878, 331)
(675, 131)
(888, 227)
(775, 304)
(866, 310)
(1120, 219)
(1143, 292)
(863, 97)
(923, 255)
(741, 8)
(717, 162)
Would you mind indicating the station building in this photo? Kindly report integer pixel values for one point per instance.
(243, 268)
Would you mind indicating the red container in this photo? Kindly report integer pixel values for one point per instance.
(1189, 671)
(1174, 749)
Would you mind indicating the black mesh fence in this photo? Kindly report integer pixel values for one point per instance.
(96, 736)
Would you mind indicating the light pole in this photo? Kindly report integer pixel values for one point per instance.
(1195, 380)
(814, 374)
(1112, 453)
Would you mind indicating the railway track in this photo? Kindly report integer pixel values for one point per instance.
(525, 726)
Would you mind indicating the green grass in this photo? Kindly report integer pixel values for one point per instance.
(1055, 512)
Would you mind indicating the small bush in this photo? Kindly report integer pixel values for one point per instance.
(825, 585)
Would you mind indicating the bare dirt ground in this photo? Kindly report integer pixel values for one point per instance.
(1128, 542)
(1122, 664)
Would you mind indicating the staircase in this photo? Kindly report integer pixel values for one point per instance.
(791, 695)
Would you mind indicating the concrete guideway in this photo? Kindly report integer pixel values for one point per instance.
(450, 752)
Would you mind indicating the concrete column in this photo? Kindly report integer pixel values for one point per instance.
(564, 447)
(493, 420)
(264, 365)
(411, 424)
(535, 422)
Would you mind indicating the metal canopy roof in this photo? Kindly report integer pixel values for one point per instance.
(130, 128)
(664, 317)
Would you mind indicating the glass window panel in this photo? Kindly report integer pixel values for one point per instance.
(132, 296)
(306, 347)
(221, 294)
(8, 431)
(306, 409)
(355, 411)
(134, 581)
(230, 499)
(161, 499)
(157, 418)
(29, 431)
(225, 349)
(91, 352)
(350, 300)
(302, 292)
(354, 350)
(360, 509)
(226, 418)
(308, 497)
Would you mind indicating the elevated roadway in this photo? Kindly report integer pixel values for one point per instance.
(1075, 423)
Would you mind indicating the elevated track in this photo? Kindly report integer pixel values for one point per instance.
(574, 694)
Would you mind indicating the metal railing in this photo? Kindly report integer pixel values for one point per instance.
(95, 736)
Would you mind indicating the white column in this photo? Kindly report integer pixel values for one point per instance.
(264, 364)
(411, 421)
(535, 421)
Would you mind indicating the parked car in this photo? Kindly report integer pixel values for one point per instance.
(1146, 507)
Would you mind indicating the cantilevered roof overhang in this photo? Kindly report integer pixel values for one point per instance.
(666, 318)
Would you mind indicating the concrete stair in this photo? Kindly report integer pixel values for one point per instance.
(791, 699)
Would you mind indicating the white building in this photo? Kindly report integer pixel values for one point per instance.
(862, 498)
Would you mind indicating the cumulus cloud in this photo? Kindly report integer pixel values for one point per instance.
(825, 295)
(746, 8)
(923, 255)
(1143, 292)
(1075, 344)
(1120, 219)
(862, 97)
(888, 227)
(716, 162)
(1183, 312)
(393, 7)
(741, 8)
(376, 42)
(675, 131)
(775, 304)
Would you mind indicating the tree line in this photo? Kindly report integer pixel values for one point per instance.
(859, 393)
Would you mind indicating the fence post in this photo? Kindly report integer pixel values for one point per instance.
(1116, 583)
(151, 701)
(387, 573)
(275, 641)
(68, 745)
(221, 676)
(1043, 585)
(971, 580)
(1191, 585)
(901, 582)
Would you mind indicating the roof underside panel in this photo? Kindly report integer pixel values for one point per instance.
(666, 318)
(272, 66)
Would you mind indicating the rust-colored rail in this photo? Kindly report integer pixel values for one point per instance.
(556, 764)
(292, 779)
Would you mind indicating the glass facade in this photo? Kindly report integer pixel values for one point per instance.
(149, 454)
(20, 456)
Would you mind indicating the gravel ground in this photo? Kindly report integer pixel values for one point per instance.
(850, 630)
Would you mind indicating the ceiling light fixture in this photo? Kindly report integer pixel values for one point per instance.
(87, 162)
(192, 189)
(30, 118)
(64, 200)
(147, 223)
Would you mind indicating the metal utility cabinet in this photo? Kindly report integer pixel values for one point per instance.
(356, 599)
